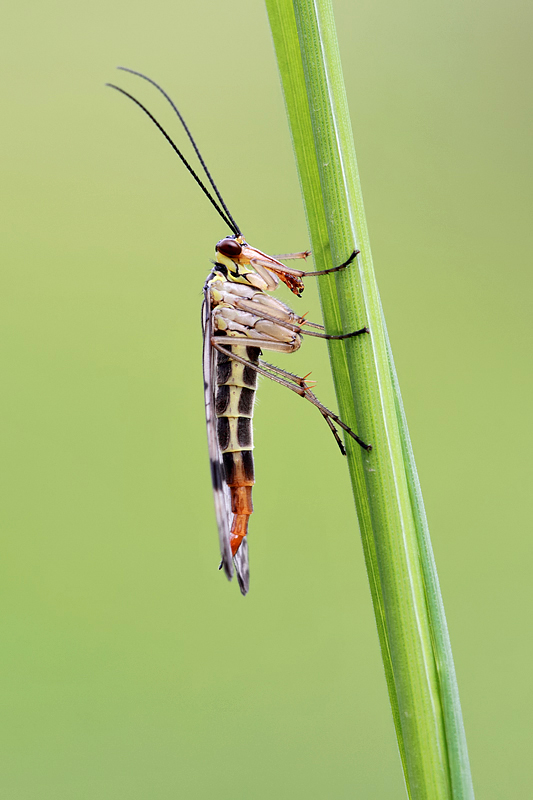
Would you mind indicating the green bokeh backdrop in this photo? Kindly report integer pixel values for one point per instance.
(130, 668)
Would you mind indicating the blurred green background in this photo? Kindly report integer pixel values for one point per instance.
(130, 668)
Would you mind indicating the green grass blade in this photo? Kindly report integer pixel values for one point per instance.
(404, 586)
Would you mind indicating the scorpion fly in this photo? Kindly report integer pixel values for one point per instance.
(240, 320)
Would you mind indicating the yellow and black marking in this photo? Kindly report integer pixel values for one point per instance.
(234, 407)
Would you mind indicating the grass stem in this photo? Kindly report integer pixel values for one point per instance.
(403, 580)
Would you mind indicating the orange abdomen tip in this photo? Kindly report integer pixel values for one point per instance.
(241, 505)
(239, 529)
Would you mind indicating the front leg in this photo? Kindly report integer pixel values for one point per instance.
(306, 253)
(333, 269)
(292, 256)
(293, 278)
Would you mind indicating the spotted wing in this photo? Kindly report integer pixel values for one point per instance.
(221, 492)
(241, 567)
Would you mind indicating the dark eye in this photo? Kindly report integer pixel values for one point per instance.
(229, 247)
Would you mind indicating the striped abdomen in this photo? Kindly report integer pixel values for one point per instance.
(234, 408)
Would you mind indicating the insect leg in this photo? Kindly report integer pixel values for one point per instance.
(313, 325)
(335, 433)
(333, 269)
(292, 256)
(331, 336)
(299, 274)
(302, 391)
(296, 326)
(290, 376)
(304, 254)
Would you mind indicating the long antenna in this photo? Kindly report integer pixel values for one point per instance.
(189, 134)
(227, 219)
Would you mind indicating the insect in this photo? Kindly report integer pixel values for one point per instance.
(240, 320)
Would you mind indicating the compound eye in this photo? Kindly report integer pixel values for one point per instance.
(229, 248)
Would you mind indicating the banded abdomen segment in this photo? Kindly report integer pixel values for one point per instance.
(234, 407)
